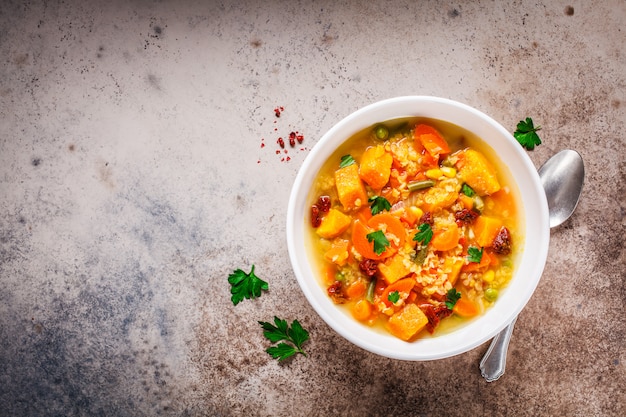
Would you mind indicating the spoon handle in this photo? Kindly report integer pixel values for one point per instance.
(493, 363)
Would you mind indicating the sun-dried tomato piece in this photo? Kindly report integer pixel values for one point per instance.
(316, 220)
(466, 216)
(369, 267)
(502, 243)
(335, 292)
(427, 218)
(434, 314)
(324, 203)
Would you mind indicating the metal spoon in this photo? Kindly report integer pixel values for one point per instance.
(562, 177)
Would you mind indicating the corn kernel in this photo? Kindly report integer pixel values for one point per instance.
(434, 173)
(448, 172)
(416, 211)
(489, 276)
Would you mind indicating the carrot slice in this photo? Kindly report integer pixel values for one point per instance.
(465, 308)
(446, 239)
(365, 247)
(362, 310)
(431, 140)
(485, 260)
(364, 214)
(392, 224)
(392, 227)
(401, 285)
(356, 290)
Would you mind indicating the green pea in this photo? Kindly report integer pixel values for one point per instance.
(491, 294)
(381, 132)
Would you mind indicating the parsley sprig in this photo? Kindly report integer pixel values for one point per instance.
(467, 190)
(526, 134)
(452, 296)
(424, 234)
(291, 338)
(393, 296)
(378, 204)
(245, 285)
(381, 243)
(475, 254)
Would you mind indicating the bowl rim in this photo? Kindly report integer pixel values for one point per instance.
(531, 260)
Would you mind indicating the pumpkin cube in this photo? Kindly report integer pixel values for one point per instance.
(393, 269)
(406, 323)
(476, 171)
(333, 224)
(350, 188)
(375, 167)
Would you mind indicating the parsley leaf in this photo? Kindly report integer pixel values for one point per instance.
(424, 235)
(393, 297)
(281, 332)
(380, 241)
(452, 297)
(526, 134)
(467, 190)
(244, 285)
(346, 160)
(475, 254)
(378, 204)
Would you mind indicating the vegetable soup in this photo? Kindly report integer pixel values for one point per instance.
(415, 227)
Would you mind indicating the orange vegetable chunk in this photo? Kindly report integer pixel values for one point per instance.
(454, 266)
(486, 229)
(431, 140)
(338, 252)
(363, 246)
(485, 260)
(350, 188)
(392, 226)
(475, 170)
(356, 289)
(394, 269)
(375, 167)
(362, 310)
(333, 224)
(465, 308)
(407, 322)
(446, 239)
(403, 285)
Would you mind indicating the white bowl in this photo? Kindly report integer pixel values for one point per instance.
(530, 262)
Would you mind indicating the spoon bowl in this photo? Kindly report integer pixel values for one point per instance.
(562, 177)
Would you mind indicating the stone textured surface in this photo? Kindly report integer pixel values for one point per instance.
(138, 168)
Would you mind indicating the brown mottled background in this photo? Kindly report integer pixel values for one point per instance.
(138, 168)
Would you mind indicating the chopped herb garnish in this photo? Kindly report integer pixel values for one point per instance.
(424, 235)
(475, 254)
(452, 297)
(280, 332)
(346, 160)
(467, 190)
(526, 134)
(393, 297)
(244, 285)
(381, 243)
(379, 204)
